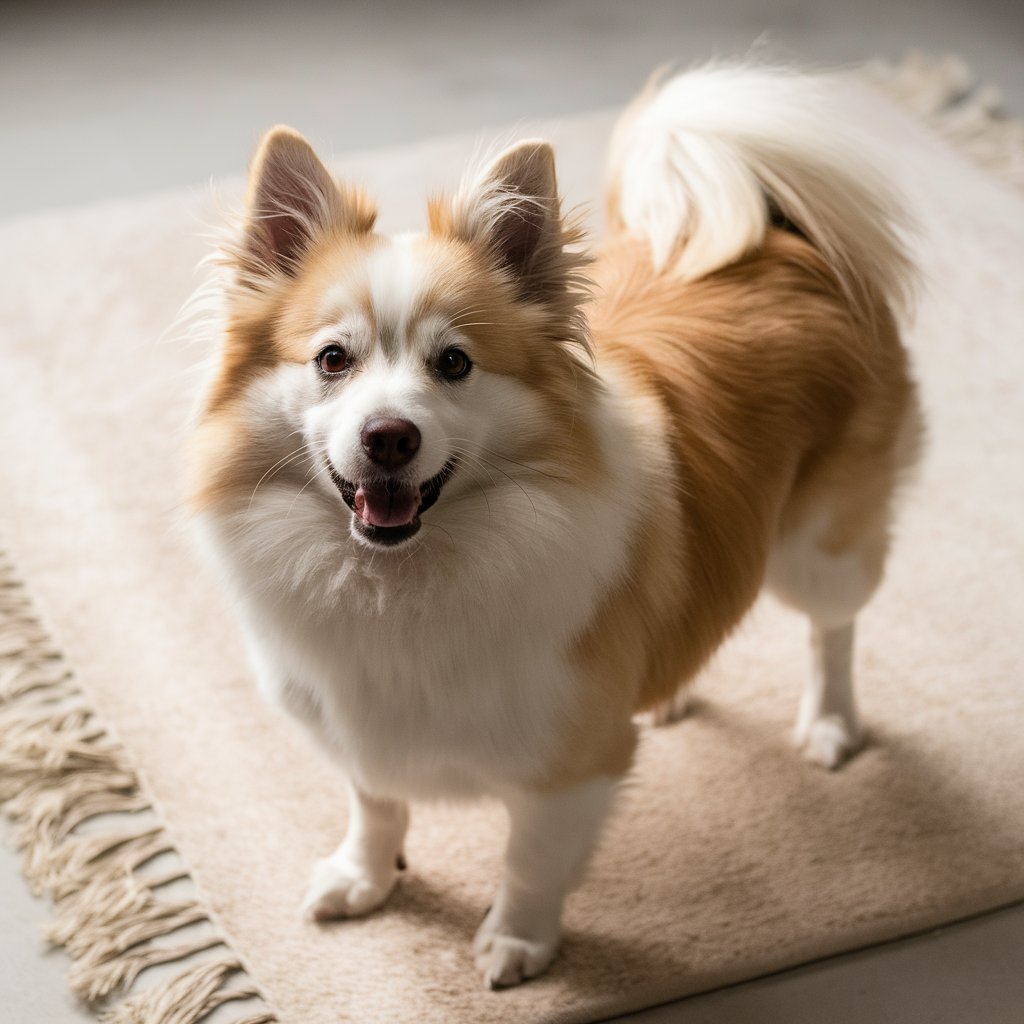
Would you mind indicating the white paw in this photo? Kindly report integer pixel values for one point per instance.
(505, 960)
(343, 888)
(829, 741)
(668, 711)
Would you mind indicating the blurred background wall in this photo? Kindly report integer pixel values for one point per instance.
(103, 99)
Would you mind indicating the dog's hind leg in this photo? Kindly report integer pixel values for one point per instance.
(830, 588)
(828, 728)
(829, 560)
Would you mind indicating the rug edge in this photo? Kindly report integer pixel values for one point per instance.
(60, 765)
(613, 1016)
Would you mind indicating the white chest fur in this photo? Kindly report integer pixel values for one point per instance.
(444, 670)
(426, 701)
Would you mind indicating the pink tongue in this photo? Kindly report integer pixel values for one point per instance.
(380, 506)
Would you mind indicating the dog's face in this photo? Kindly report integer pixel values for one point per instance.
(406, 381)
(396, 373)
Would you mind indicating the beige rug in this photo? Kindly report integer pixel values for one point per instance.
(730, 857)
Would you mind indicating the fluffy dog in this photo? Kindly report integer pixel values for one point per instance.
(481, 501)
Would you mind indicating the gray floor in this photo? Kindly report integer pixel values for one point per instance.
(103, 100)
(109, 99)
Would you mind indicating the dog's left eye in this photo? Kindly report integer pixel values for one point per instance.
(332, 360)
(454, 364)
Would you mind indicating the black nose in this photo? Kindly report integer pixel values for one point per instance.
(390, 442)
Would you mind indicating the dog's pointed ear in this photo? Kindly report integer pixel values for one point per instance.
(512, 210)
(292, 201)
(518, 199)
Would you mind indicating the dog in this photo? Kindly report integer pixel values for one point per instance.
(482, 500)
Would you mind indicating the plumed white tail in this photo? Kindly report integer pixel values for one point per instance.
(701, 163)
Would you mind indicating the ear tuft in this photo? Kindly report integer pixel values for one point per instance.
(526, 203)
(292, 200)
(512, 210)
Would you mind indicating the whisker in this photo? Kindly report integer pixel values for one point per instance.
(464, 455)
(434, 526)
(319, 472)
(465, 311)
(280, 464)
(505, 458)
(512, 479)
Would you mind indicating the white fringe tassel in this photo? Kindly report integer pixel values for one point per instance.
(943, 92)
(59, 768)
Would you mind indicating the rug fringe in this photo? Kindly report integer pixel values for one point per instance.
(60, 769)
(186, 999)
(944, 93)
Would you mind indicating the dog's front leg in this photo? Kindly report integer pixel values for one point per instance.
(551, 836)
(359, 876)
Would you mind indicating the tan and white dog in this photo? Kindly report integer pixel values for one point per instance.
(481, 502)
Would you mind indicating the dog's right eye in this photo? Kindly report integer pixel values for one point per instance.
(454, 364)
(332, 360)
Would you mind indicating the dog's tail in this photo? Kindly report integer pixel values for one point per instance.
(704, 163)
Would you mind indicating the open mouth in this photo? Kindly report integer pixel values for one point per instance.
(388, 511)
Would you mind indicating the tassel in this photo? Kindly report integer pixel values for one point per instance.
(59, 767)
(185, 999)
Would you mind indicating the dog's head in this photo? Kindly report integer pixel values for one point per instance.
(394, 372)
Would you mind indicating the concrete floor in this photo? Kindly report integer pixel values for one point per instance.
(103, 100)
(112, 99)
